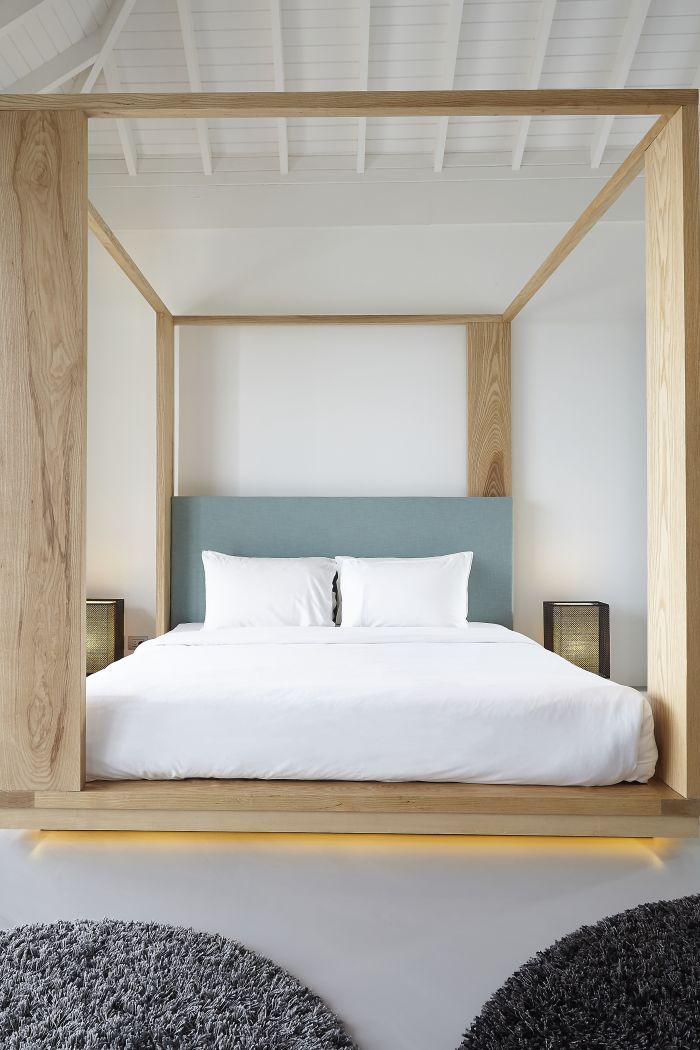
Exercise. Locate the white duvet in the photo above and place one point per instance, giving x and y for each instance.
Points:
(474, 704)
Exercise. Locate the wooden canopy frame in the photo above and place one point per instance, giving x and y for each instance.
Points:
(45, 214)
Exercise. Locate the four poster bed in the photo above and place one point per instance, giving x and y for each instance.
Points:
(45, 216)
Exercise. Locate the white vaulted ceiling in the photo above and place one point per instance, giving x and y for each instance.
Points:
(304, 45)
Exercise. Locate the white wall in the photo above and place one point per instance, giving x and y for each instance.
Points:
(299, 411)
(355, 411)
(121, 472)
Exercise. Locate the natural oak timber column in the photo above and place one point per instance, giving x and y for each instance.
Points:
(488, 409)
(673, 451)
(165, 436)
(43, 276)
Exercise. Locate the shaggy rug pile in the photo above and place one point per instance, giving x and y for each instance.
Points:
(142, 986)
(631, 982)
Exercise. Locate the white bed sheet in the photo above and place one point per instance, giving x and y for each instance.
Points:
(473, 704)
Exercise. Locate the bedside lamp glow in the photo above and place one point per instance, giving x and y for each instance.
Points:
(104, 636)
(580, 632)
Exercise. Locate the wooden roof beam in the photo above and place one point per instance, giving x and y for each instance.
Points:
(332, 104)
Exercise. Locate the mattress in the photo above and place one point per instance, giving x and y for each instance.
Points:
(473, 704)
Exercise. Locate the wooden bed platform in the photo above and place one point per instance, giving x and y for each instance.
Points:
(631, 810)
(44, 221)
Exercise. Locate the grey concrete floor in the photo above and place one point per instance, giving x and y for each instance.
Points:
(405, 938)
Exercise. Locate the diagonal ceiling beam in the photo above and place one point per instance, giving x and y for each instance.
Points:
(14, 12)
(629, 42)
(363, 85)
(59, 70)
(278, 64)
(124, 130)
(454, 28)
(110, 32)
(192, 60)
(533, 78)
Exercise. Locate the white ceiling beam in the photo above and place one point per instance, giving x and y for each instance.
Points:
(59, 70)
(278, 65)
(192, 60)
(14, 12)
(363, 85)
(539, 51)
(629, 42)
(454, 29)
(110, 32)
(126, 136)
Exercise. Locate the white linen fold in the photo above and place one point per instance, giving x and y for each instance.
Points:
(474, 704)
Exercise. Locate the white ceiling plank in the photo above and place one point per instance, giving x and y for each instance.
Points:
(110, 32)
(539, 51)
(365, 25)
(629, 42)
(126, 136)
(13, 13)
(59, 70)
(192, 62)
(454, 29)
(278, 64)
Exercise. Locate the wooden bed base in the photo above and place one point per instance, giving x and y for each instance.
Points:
(44, 221)
(638, 810)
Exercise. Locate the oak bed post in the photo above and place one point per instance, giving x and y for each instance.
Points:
(488, 409)
(43, 304)
(165, 435)
(673, 406)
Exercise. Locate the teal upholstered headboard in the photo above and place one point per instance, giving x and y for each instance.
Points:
(293, 527)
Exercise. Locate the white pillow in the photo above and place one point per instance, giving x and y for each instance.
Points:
(404, 592)
(268, 592)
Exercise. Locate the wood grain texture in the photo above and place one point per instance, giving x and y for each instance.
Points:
(123, 260)
(586, 102)
(488, 409)
(652, 799)
(618, 182)
(43, 273)
(673, 450)
(165, 437)
(330, 319)
(350, 823)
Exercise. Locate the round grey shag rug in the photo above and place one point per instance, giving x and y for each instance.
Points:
(143, 986)
(630, 982)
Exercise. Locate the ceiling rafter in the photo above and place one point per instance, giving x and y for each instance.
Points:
(110, 32)
(14, 13)
(192, 61)
(454, 29)
(278, 65)
(60, 69)
(363, 85)
(629, 42)
(124, 130)
(533, 78)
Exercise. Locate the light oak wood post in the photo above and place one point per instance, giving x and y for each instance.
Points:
(673, 406)
(488, 409)
(165, 435)
(43, 275)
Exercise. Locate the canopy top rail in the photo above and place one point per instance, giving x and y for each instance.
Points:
(587, 102)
